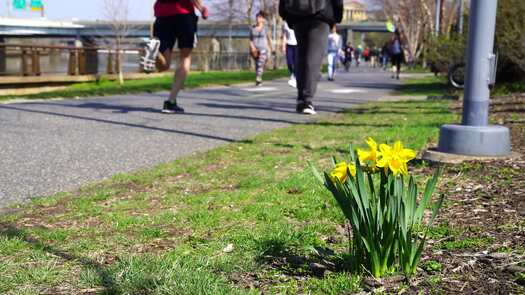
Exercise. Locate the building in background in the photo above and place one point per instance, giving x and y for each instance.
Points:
(354, 11)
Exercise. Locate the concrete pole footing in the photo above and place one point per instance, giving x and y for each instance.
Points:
(488, 141)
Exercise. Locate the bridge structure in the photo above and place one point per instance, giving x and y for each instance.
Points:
(23, 28)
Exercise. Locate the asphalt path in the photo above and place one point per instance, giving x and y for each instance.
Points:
(54, 146)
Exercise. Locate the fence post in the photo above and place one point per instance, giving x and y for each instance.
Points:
(206, 65)
(82, 61)
(35, 62)
(118, 60)
(24, 64)
(3, 57)
(73, 62)
(142, 52)
(90, 56)
(109, 66)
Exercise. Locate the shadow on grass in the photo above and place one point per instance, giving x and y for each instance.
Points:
(323, 149)
(279, 256)
(106, 278)
(429, 88)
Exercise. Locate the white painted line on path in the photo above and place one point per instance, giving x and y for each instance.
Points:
(259, 89)
(348, 91)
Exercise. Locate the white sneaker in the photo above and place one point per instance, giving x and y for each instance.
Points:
(151, 52)
(308, 109)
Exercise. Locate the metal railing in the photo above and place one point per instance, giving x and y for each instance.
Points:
(40, 60)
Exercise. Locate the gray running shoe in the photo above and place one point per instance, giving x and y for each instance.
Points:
(151, 52)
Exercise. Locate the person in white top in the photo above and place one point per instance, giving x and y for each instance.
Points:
(335, 43)
(290, 49)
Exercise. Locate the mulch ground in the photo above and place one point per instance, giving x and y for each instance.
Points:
(480, 238)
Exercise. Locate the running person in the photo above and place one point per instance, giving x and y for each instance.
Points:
(259, 45)
(176, 22)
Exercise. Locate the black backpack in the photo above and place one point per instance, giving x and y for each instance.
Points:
(302, 7)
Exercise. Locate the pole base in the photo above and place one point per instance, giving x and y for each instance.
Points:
(483, 141)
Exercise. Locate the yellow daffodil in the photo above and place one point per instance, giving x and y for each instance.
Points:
(341, 171)
(395, 158)
(370, 155)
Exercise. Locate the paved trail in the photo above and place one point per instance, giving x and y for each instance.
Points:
(53, 146)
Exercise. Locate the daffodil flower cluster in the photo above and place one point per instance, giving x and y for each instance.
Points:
(386, 211)
(390, 158)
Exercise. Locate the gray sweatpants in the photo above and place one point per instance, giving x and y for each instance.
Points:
(312, 39)
(259, 64)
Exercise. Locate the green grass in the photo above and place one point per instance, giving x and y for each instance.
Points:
(163, 230)
(474, 243)
(506, 88)
(432, 266)
(106, 87)
(427, 86)
(417, 69)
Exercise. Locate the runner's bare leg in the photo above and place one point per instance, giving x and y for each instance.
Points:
(183, 68)
(163, 61)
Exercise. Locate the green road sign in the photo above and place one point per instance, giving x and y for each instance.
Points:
(37, 5)
(19, 4)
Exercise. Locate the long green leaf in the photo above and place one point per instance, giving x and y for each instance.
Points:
(429, 190)
(316, 173)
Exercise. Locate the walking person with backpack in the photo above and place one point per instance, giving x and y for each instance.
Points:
(176, 22)
(335, 44)
(396, 50)
(259, 45)
(311, 21)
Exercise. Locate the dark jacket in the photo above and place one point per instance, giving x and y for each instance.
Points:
(332, 14)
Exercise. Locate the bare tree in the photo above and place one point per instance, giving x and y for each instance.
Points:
(117, 12)
(416, 20)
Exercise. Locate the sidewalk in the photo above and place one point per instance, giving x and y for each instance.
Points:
(54, 146)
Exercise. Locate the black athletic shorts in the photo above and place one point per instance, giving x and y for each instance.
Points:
(180, 28)
(397, 60)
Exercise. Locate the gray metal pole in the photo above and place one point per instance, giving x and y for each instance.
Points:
(438, 17)
(480, 54)
(475, 137)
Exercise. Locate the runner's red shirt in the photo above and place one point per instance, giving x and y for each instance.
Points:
(173, 8)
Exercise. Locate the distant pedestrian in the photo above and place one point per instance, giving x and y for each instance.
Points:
(349, 52)
(366, 55)
(374, 53)
(311, 24)
(290, 49)
(396, 50)
(335, 44)
(385, 56)
(175, 22)
(259, 45)
(357, 55)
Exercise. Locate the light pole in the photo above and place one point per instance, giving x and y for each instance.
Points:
(475, 137)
